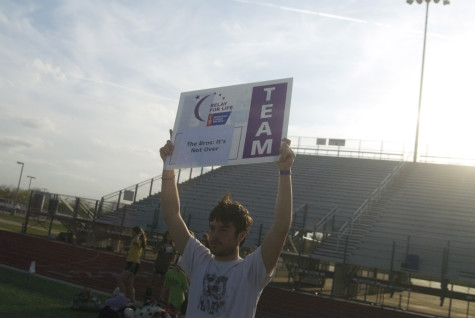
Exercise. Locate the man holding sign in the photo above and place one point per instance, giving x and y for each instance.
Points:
(221, 283)
(237, 124)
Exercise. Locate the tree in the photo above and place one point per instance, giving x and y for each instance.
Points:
(9, 192)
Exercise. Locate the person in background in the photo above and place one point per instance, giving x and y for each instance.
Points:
(125, 280)
(166, 255)
(176, 284)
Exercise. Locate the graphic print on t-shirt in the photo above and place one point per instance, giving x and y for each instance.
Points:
(213, 297)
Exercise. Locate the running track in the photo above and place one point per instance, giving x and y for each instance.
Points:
(98, 270)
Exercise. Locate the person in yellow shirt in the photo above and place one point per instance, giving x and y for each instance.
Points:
(125, 280)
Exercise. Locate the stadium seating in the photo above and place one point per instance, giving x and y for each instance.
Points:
(429, 209)
(426, 210)
(319, 182)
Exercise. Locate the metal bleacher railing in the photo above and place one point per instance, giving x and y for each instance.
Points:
(144, 189)
(365, 207)
(354, 148)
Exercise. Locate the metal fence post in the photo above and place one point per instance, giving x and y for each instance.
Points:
(151, 185)
(76, 208)
(118, 200)
(136, 190)
(27, 214)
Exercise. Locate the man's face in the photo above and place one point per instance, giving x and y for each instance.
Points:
(223, 240)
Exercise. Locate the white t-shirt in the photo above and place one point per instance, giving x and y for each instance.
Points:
(222, 289)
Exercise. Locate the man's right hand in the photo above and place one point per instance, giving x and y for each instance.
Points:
(287, 156)
(167, 150)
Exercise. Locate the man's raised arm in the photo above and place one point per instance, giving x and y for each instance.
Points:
(275, 238)
(170, 202)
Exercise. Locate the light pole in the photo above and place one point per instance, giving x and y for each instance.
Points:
(29, 185)
(446, 2)
(18, 188)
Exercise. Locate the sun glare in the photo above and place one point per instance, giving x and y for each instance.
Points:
(448, 132)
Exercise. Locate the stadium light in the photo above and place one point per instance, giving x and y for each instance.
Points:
(446, 2)
(29, 185)
(18, 188)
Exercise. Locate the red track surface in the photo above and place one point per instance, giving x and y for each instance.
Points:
(98, 270)
(67, 262)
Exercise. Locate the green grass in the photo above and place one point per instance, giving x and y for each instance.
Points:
(13, 218)
(34, 227)
(10, 227)
(17, 228)
(25, 295)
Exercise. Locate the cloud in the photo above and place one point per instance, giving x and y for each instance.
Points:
(39, 123)
(3, 18)
(15, 143)
(42, 123)
(116, 85)
(36, 123)
(47, 69)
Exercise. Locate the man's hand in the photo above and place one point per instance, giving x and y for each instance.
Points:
(167, 150)
(287, 156)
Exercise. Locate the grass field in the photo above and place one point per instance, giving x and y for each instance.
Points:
(14, 223)
(26, 295)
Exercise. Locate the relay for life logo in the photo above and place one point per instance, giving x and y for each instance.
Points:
(217, 108)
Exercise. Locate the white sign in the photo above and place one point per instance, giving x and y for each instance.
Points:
(231, 125)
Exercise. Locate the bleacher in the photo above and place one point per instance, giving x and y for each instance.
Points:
(429, 209)
(321, 183)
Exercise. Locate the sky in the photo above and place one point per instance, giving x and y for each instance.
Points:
(89, 89)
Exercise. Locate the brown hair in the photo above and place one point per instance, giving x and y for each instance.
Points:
(143, 237)
(229, 211)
